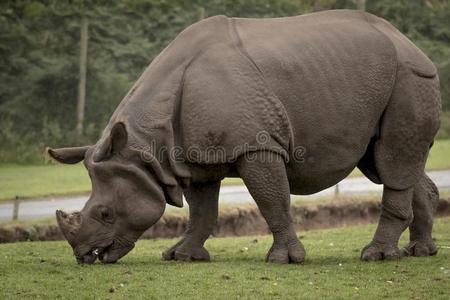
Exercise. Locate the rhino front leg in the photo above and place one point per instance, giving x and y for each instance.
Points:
(264, 174)
(203, 209)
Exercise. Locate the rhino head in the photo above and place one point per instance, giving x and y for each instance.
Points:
(127, 198)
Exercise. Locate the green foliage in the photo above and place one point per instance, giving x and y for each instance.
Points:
(39, 55)
(332, 270)
(427, 23)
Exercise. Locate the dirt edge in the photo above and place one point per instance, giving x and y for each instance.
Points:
(237, 221)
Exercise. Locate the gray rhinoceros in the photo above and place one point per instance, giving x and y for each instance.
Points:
(290, 105)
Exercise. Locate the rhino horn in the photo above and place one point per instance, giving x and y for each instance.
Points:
(69, 224)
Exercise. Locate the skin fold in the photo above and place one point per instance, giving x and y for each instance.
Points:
(290, 105)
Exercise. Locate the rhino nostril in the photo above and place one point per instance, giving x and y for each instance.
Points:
(89, 259)
(106, 259)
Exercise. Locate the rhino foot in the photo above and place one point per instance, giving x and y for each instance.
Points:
(292, 253)
(375, 251)
(420, 248)
(182, 251)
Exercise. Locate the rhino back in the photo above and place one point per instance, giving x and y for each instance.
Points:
(334, 73)
(408, 54)
(153, 98)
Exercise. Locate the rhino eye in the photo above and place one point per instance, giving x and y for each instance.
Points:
(106, 213)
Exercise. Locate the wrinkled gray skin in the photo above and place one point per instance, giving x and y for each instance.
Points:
(293, 104)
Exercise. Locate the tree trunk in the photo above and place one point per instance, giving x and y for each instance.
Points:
(317, 6)
(361, 5)
(82, 80)
(201, 13)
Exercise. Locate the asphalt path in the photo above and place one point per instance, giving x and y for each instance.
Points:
(41, 208)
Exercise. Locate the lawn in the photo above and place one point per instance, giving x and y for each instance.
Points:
(439, 155)
(53, 179)
(332, 271)
(42, 180)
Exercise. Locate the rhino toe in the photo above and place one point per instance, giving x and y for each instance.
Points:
(293, 253)
(420, 248)
(181, 251)
(374, 252)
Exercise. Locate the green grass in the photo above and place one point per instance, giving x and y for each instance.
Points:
(32, 181)
(439, 158)
(53, 179)
(332, 270)
(42, 180)
(439, 155)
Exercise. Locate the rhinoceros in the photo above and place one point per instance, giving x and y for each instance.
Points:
(290, 105)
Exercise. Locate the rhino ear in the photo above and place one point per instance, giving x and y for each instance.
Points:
(119, 137)
(116, 141)
(71, 155)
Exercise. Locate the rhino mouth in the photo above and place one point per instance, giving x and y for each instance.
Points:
(91, 256)
(110, 253)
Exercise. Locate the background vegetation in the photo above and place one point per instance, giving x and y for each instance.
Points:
(39, 56)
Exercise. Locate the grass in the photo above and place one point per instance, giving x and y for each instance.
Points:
(332, 271)
(439, 158)
(34, 181)
(439, 155)
(42, 180)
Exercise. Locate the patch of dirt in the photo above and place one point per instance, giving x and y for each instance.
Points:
(236, 221)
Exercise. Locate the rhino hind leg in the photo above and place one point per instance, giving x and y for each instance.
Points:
(264, 174)
(396, 215)
(203, 210)
(425, 201)
(408, 127)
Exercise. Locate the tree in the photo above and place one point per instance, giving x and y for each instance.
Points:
(82, 80)
(360, 4)
(40, 55)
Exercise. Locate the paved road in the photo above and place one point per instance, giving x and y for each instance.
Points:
(41, 208)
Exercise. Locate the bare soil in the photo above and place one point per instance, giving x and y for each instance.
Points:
(237, 221)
